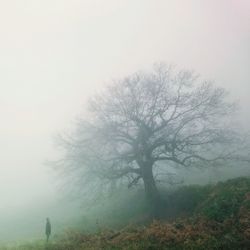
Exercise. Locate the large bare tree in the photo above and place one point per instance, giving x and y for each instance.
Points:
(147, 120)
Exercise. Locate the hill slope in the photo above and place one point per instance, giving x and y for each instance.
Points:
(206, 217)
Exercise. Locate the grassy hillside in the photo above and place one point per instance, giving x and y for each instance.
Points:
(196, 217)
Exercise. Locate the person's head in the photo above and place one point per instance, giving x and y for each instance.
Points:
(47, 219)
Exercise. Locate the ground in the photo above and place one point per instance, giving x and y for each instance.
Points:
(206, 217)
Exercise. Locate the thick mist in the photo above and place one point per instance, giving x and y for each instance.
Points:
(54, 55)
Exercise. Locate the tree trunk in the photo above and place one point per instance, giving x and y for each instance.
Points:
(151, 191)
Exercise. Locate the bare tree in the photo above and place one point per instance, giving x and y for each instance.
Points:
(164, 117)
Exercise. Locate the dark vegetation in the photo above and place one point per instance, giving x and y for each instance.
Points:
(196, 217)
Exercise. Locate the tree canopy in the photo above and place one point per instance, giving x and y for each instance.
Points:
(150, 120)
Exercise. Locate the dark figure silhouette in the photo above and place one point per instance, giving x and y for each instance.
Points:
(48, 229)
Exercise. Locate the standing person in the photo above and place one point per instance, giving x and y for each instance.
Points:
(48, 229)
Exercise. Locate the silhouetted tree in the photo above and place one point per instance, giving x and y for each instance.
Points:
(165, 117)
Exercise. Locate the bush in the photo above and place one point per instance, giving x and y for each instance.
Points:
(225, 199)
(184, 201)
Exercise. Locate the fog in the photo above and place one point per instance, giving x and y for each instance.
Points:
(55, 54)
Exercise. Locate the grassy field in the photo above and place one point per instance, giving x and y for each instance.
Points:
(197, 217)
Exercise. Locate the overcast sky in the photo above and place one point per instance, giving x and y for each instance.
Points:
(54, 54)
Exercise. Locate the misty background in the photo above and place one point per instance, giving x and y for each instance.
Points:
(55, 54)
